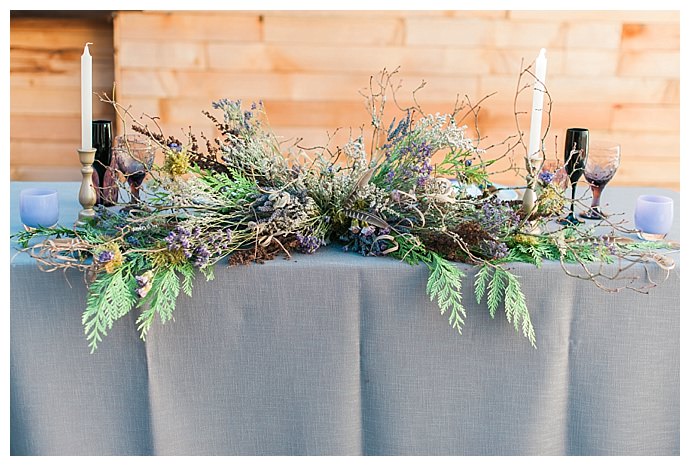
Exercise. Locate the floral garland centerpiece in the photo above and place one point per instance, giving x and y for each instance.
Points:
(243, 197)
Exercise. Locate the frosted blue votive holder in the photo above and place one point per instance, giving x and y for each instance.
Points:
(653, 216)
(39, 207)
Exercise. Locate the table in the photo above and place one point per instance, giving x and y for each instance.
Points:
(337, 354)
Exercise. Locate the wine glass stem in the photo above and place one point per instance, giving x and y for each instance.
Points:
(134, 188)
(572, 200)
(596, 196)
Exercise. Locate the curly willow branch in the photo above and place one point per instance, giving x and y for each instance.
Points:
(63, 254)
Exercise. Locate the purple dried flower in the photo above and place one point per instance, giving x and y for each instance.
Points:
(495, 217)
(610, 246)
(401, 129)
(308, 244)
(133, 241)
(546, 176)
(366, 241)
(141, 280)
(219, 104)
(367, 230)
(495, 249)
(201, 256)
(105, 256)
(178, 240)
(144, 283)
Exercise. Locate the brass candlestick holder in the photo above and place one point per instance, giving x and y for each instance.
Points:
(87, 192)
(529, 197)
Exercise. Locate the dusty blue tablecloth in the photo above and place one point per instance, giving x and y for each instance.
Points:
(336, 354)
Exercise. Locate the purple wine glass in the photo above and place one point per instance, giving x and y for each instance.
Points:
(602, 163)
(134, 154)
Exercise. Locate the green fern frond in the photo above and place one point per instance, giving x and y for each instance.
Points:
(209, 273)
(551, 252)
(480, 280)
(160, 299)
(187, 271)
(516, 308)
(496, 291)
(516, 254)
(530, 253)
(445, 285)
(145, 321)
(166, 286)
(111, 296)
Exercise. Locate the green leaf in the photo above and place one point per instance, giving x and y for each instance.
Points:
(161, 298)
(145, 321)
(516, 308)
(167, 287)
(111, 296)
(209, 273)
(496, 291)
(445, 284)
(187, 271)
(480, 281)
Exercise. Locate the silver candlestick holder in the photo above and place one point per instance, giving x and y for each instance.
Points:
(87, 192)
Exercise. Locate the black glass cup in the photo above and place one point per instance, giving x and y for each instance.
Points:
(575, 158)
(102, 141)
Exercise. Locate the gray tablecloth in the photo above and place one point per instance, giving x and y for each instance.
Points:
(336, 354)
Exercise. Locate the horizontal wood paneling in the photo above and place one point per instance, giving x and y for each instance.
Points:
(181, 26)
(333, 30)
(650, 36)
(615, 72)
(45, 83)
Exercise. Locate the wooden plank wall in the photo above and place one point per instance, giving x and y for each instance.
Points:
(614, 72)
(45, 82)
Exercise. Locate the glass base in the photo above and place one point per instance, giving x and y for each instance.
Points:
(570, 220)
(593, 214)
(651, 236)
(30, 229)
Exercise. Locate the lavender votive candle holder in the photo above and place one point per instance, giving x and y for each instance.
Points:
(653, 217)
(39, 207)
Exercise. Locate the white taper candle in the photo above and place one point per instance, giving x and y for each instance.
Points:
(86, 98)
(537, 107)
